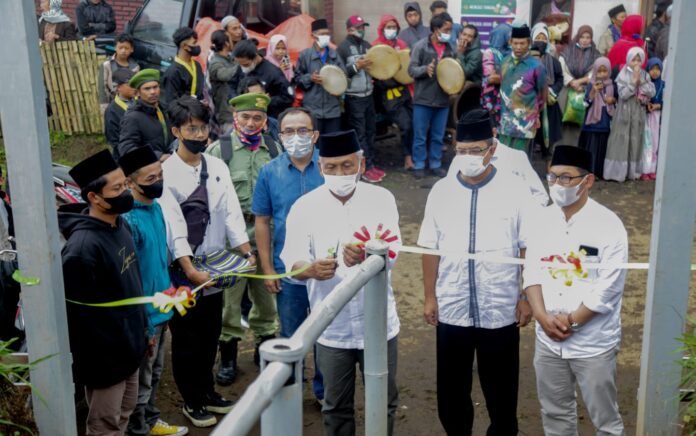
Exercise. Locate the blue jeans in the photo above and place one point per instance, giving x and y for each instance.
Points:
(293, 307)
(435, 119)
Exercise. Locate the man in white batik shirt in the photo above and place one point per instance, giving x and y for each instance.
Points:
(476, 304)
(323, 229)
(578, 316)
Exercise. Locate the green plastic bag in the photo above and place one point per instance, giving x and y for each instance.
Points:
(575, 108)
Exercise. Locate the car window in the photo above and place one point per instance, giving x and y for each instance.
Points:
(158, 21)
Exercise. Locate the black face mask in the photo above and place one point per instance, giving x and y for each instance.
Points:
(540, 46)
(195, 50)
(195, 146)
(153, 191)
(120, 204)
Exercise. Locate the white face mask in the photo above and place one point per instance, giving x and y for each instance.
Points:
(390, 34)
(342, 185)
(249, 69)
(563, 196)
(323, 40)
(469, 165)
(298, 146)
(443, 37)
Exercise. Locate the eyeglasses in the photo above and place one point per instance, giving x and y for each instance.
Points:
(195, 130)
(564, 179)
(302, 131)
(478, 151)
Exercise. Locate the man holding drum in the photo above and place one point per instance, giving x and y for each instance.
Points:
(325, 107)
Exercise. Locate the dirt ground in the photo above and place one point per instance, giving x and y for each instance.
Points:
(417, 414)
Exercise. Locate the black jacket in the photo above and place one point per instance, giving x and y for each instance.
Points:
(95, 19)
(100, 265)
(140, 126)
(177, 81)
(350, 50)
(112, 124)
(322, 104)
(427, 91)
(275, 82)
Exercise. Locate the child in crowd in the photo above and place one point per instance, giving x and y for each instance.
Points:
(600, 100)
(120, 60)
(652, 122)
(628, 128)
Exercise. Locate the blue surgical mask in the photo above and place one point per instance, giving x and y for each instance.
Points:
(443, 37)
(390, 34)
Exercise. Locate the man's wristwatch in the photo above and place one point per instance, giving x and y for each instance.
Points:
(574, 326)
(249, 254)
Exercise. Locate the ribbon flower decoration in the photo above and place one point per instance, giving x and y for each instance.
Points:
(571, 265)
(364, 235)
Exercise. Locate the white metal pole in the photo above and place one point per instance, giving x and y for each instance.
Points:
(376, 365)
(25, 130)
(283, 417)
(672, 235)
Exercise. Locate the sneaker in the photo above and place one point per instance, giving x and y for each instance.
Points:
(199, 417)
(419, 174)
(161, 428)
(438, 172)
(216, 403)
(372, 176)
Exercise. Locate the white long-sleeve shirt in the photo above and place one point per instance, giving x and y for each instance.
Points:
(594, 228)
(492, 218)
(226, 218)
(316, 224)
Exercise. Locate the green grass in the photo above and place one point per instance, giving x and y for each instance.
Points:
(688, 364)
(66, 150)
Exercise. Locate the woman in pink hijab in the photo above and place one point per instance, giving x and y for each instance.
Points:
(277, 54)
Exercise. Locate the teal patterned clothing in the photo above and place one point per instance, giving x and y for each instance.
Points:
(522, 95)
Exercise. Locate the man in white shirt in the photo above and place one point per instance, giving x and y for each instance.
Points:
(318, 225)
(578, 317)
(192, 180)
(476, 305)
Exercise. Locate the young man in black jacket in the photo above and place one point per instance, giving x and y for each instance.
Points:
(117, 108)
(94, 18)
(185, 75)
(144, 123)
(251, 64)
(99, 266)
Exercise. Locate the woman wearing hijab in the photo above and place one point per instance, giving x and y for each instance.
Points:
(631, 30)
(277, 54)
(577, 60)
(498, 48)
(550, 133)
(653, 120)
(54, 25)
(628, 128)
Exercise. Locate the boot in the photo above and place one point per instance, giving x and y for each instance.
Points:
(227, 371)
(257, 355)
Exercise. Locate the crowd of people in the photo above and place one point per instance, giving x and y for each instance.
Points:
(210, 169)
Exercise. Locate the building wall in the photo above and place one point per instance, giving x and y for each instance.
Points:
(123, 9)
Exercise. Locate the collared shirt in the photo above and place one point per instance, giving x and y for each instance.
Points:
(599, 229)
(516, 162)
(317, 222)
(278, 187)
(226, 219)
(492, 218)
(522, 95)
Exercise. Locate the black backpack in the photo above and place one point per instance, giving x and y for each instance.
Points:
(227, 152)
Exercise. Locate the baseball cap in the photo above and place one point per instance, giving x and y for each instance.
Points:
(355, 21)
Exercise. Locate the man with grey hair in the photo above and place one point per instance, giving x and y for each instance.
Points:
(327, 244)
(234, 29)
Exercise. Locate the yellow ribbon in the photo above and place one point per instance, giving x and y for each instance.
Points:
(394, 93)
(120, 103)
(191, 68)
(160, 117)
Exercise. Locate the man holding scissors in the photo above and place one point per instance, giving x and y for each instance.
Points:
(326, 229)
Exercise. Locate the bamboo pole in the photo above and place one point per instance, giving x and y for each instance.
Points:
(60, 109)
(73, 80)
(67, 87)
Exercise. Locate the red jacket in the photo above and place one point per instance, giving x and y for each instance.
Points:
(396, 42)
(630, 37)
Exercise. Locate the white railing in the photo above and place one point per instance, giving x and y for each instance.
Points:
(276, 394)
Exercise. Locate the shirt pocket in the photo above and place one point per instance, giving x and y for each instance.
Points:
(242, 185)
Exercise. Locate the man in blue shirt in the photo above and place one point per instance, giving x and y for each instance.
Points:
(144, 178)
(280, 183)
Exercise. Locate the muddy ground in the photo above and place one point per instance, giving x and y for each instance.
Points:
(417, 414)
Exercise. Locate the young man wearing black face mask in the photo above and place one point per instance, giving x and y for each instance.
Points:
(185, 75)
(100, 265)
(144, 177)
(191, 179)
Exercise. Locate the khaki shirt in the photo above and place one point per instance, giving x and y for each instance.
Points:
(606, 41)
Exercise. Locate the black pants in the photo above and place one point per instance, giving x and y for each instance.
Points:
(360, 112)
(194, 347)
(328, 125)
(498, 356)
(402, 116)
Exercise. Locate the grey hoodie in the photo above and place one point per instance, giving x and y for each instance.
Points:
(413, 34)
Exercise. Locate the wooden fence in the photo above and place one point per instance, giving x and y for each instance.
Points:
(71, 72)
